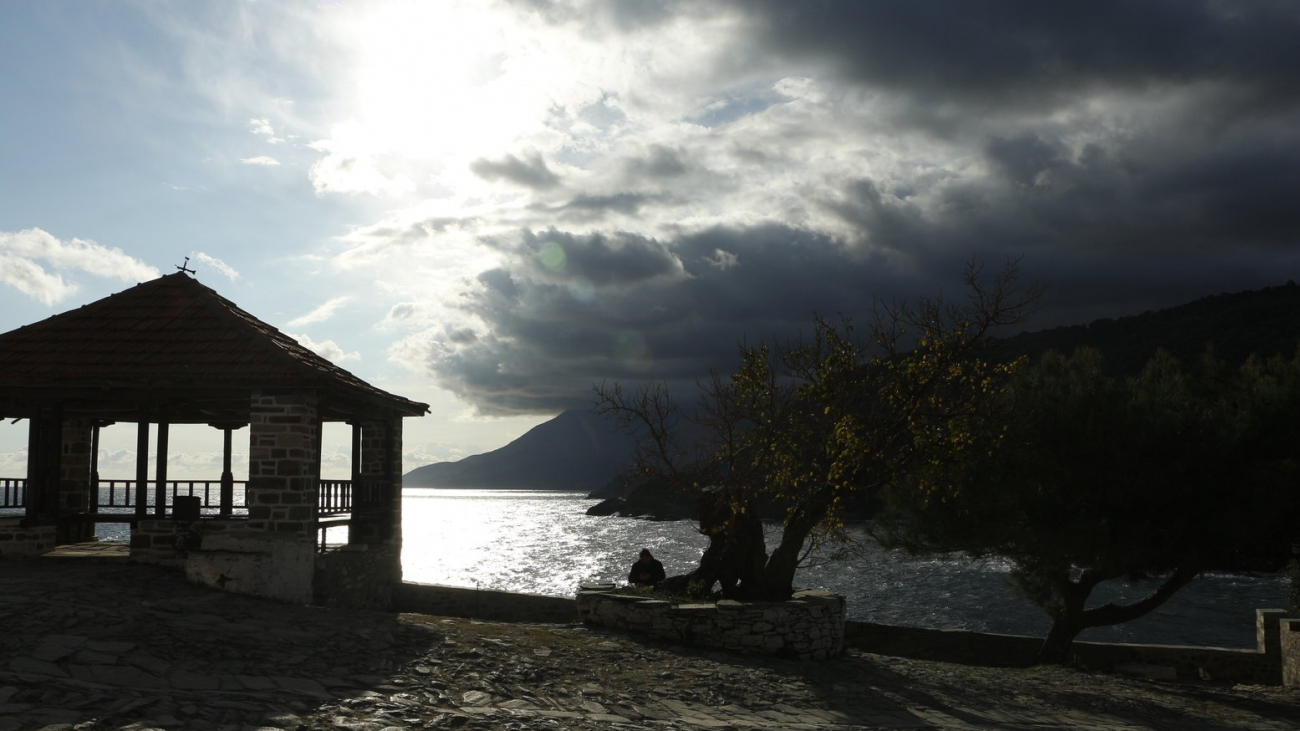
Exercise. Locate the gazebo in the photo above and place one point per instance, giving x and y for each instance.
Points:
(172, 351)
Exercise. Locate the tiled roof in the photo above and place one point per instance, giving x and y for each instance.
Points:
(171, 332)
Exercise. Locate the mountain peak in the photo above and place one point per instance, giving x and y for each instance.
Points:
(577, 450)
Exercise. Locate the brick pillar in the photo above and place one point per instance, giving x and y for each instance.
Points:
(283, 443)
(1289, 651)
(75, 481)
(1268, 641)
(368, 572)
(44, 453)
(377, 515)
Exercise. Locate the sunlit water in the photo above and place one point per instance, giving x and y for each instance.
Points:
(544, 543)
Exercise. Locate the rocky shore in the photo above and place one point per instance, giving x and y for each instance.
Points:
(97, 643)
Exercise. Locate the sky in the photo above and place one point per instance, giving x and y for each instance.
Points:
(492, 206)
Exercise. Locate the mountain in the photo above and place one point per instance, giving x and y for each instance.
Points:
(1262, 321)
(577, 450)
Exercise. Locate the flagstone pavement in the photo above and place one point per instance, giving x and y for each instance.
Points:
(89, 641)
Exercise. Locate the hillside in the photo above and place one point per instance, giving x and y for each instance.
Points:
(579, 450)
(576, 450)
(1263, 321)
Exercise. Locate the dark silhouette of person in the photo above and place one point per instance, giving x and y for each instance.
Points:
(646, 571)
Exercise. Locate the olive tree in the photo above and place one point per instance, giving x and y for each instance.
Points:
(1095, 478)
(806, 428)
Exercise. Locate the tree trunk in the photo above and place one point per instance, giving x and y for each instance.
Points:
(735, 555)
(1072, 618)
(778, 574)
(1071, 596)
(1055, 649)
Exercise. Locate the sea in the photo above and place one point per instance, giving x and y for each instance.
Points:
(543, 542)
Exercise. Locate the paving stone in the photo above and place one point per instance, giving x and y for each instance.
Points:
(186, 680)
(91, 657)
(130, 677)
(115, 648)
(476, 698)
(306, 686)
(703, 722)
(36, 667)
(148, 663)
(279, 666)
(256, 682)
(57, 647)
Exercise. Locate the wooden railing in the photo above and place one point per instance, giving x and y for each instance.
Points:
(334, 497)
(113, 496)
(345, 496)
(13, 493)
(120, 495)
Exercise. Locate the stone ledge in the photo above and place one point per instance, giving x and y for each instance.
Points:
(810, 626)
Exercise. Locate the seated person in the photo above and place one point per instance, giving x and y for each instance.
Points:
(647, 571)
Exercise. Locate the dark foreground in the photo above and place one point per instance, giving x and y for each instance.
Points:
(95, 643)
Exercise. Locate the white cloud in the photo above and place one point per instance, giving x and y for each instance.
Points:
(217, 264)
(21, 267)
(354, 165)
(263, 128)
(260, 160)
(320, 314)
(723, 260)
(327, 349)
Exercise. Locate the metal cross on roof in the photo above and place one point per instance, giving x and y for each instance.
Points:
(184, 267)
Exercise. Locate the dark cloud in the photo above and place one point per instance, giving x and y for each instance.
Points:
(659, 163)
(529, 172)
(1029, 54)
(587, 208)
(631, 308)
(1137, 155)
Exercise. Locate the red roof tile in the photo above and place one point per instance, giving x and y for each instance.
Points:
(172, 332)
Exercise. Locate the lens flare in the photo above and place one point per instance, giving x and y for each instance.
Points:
(631, 349)
(582, 290)
(552, 256)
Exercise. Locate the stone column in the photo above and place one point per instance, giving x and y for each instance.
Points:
(141, 468)
(75, 496)
(367, 573)
(44, 454)
(227, 476)
(160, 471)
(272, 554)
(284, 440)
(377, 499)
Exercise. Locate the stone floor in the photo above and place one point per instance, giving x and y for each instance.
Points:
(92, 642)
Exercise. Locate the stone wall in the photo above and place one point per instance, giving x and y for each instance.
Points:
(1268, 641)
(18, 540)
(158, 541)
(1262, 665)
(810, 626)
(1289, 643)
(381, 464)
(356, 576)
(283, 443)
(74, 481)
(486, 604)
(244, 561)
